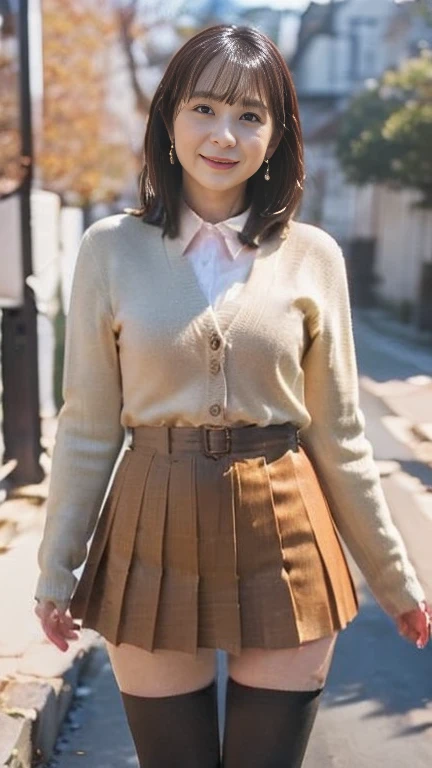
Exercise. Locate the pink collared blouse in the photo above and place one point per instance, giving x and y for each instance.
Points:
(221, 263)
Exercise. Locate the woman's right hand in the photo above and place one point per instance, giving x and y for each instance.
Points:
(57, 626)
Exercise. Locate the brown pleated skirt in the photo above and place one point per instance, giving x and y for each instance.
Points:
(229, 552)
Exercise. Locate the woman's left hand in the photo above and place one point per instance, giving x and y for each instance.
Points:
(415, 625)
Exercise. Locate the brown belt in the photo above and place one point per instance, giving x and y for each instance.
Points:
(215, 441)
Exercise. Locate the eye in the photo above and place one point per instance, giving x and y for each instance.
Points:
(201, 106)
(253, 115)
(205, 106)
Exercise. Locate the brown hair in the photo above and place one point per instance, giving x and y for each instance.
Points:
(249, 59)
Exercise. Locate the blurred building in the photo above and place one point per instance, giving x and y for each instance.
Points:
(341, 46)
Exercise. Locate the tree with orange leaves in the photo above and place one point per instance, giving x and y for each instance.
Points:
(10, 139)
(82, 152)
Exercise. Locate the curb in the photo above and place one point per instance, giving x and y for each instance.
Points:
(33, 708)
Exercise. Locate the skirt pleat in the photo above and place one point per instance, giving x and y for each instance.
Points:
(219, 607)
(302, 561)
(116, 556)
(178, 603)
(236, 553)
(265, 589)
(341, 596)
(81, 598)
(146, 567)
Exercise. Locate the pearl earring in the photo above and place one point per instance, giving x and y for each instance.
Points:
(267, 174)
(171, 157)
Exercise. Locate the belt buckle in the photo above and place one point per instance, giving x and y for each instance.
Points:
(206, 447)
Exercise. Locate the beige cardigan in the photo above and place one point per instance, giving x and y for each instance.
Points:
(140, 343)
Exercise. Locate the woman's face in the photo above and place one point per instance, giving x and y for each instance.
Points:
(205, 127)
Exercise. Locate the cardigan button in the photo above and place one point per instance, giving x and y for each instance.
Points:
(215, 341)
(215, 367)
(215, 409)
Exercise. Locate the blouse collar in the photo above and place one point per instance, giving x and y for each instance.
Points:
(191, 223)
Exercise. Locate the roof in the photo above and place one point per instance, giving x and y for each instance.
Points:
(317, 19)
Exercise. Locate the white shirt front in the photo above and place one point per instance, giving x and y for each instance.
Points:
(221, 263)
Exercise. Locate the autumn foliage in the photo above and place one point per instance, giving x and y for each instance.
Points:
(10, 141)
(81, 152)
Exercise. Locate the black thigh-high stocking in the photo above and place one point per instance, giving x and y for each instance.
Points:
(266, 728)
(179, 731)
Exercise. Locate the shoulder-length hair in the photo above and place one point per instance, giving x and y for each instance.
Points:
(249, 61)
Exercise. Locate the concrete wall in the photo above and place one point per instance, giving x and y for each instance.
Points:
(403, 234)
(404, 242)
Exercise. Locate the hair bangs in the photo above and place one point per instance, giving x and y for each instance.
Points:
(230, 81)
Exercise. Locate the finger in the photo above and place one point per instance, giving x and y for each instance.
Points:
(65, 629)
(70, 623)
(58, 641)
(58, 627)
(56, 620)
(421, 626)
(410, 634)
(418, 637)
(65, 621)
(70, 634)
(424, 635)
(62, 632)
(55, 629)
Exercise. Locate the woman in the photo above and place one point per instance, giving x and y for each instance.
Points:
(216, 329)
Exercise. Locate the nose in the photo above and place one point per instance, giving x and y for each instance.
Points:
(223, 133)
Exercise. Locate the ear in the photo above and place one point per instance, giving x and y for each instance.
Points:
(274, 143)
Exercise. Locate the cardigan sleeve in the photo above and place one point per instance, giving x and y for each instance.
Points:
(340, 453)
(89, 433)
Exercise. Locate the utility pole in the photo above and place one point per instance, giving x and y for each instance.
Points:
(21, 420)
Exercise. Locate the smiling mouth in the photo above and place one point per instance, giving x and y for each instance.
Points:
(219, 162)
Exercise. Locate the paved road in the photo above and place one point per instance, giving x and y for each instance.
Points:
(377, 706)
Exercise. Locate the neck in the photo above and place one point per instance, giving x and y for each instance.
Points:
(214, 209)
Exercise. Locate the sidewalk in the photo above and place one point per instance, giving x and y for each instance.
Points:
(410, 399)
(382, 321)
(38, 681)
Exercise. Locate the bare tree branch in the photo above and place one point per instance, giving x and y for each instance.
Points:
(126, 17)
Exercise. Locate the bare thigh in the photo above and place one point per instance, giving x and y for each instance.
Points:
(304, 668)
(161, 673)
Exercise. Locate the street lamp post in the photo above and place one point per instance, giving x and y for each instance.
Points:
(21, 420)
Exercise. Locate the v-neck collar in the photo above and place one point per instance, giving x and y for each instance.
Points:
(232, 312)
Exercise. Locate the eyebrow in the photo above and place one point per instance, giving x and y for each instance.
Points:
(246, 103)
